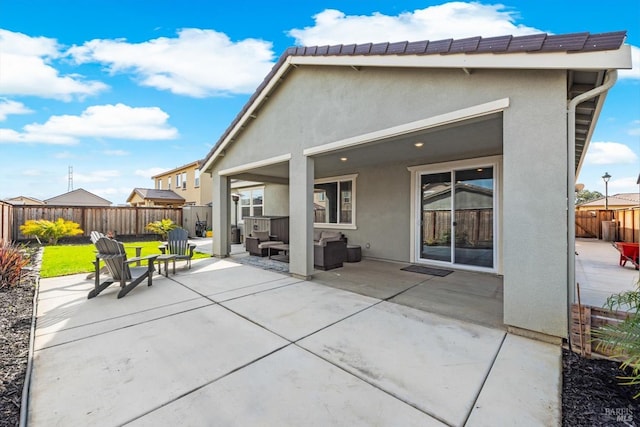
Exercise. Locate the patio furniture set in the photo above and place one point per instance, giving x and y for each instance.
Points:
(330, 248)
(113, 254)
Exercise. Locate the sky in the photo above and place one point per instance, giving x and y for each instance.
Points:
(120, 91)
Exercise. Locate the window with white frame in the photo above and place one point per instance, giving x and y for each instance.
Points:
(158, 184)
(334, 200)
(251, 202)
(169, 183)
(196, 181)
(184, 180)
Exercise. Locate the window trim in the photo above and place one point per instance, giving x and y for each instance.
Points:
(239, 190)
(337, 179)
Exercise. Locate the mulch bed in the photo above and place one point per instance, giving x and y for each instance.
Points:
(16, 305)
(591, 395)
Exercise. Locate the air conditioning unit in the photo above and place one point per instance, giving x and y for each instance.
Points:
(184, 185)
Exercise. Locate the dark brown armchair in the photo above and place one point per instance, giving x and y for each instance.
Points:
(329, 255)
(259, 241)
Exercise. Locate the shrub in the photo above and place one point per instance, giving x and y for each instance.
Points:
(12, 260)
(624, 338)
(50, 231)
(162, 227)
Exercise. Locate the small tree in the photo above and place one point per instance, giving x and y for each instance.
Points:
(585, 195)
(162, 227)
(49, 231)
(624, 338)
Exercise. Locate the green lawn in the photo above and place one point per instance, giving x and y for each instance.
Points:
(62, 260)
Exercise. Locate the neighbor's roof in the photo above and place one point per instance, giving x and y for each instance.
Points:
(156, 195)
(507, 51)
(621, 199)
(79, 197)
(24, 200)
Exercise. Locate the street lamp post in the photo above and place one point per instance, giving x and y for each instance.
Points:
(236, 236)
(606, 178)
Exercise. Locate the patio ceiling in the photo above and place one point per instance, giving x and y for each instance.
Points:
(478, 137)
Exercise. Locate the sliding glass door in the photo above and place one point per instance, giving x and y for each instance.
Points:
(457, 217)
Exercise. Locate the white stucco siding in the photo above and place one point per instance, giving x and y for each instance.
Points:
(382, 213)
(320, 105)
(534, 207)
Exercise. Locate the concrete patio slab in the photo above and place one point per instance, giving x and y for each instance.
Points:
(218, 277)
(598, 272)
(435, 364)
(288, 388)
(70, 315)
(476, 302)
(377, 279)
(300, 309)
(117, 376)
(523, 387)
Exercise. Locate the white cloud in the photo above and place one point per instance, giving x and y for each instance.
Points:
(148, 173)
(623, 185)
(454, 19)
(197, 63)
(95, 176)
(609, 153)
(26, 69)
(64, 155)
(115, 153)
(633, 73)
(8, 107)
(99, 121)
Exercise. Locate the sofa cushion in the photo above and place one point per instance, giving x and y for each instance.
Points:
(261, 235)
(265, 245)
(329, 235)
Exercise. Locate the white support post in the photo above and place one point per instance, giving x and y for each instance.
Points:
(301, 180)
(220, 214)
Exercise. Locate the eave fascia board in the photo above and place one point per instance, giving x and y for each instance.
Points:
(607, 59)
(249, 114)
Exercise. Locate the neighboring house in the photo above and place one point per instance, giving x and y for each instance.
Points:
(187, 182)
(371, 125)
(616, 201)
(79, 197)
(24, 200)
(150, 197)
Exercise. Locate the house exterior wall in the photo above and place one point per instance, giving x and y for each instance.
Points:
(316, 106)
(192, 194)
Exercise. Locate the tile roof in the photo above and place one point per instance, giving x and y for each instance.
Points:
(621, 199)
(153, 194)
(534, 43)
(508, 44)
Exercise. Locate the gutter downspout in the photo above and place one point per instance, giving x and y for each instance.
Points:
(610, 80)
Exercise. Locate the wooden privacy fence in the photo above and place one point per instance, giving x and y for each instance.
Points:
(474, 227)
(124, 221)
(6, 211)
(586, 318)
(589, 223)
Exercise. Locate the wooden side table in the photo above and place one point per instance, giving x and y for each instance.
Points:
(166, 258)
